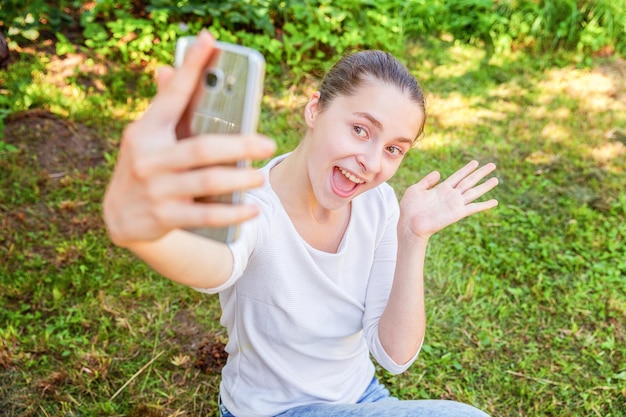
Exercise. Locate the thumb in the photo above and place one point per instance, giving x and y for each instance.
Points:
(177, 90)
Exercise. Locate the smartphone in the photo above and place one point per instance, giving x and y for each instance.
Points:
(227, 100)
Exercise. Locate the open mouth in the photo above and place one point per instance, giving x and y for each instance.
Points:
(344, 182)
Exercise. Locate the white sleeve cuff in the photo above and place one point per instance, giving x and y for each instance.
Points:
(389, 364)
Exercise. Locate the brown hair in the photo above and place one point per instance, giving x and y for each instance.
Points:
(353, 70)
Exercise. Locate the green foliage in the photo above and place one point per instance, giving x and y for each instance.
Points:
(586, 26)
(300, 38)
(6, 148)
(296, 37)
(540, 26)
(28, 19)
(4, 112)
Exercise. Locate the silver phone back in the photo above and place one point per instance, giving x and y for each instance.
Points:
(229, 102)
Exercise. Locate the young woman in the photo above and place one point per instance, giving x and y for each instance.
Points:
(331, 270)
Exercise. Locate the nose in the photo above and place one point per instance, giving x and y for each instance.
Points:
(370, 160)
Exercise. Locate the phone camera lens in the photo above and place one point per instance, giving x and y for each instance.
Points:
(211, 79)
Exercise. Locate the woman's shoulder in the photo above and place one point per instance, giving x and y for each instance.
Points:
(386, 191)
(265, 196)
(378, 203)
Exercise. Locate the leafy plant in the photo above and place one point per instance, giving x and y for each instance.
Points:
(28, 20)
(6, 147)
(300, 38)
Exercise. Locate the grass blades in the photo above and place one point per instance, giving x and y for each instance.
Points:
(526, 304)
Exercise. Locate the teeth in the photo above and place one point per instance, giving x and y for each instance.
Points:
(351, 177)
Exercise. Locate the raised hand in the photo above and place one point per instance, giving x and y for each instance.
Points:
(157, 177)
(429, 206)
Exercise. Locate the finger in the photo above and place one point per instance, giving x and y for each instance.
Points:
(183, 215)
(454, 179)
(428, 181)
(475, 177)
(478, 191)
(207, 150)
(170, 103)
(205, 182)
(481, 206)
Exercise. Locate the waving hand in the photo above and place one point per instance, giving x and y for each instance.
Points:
(429, 206)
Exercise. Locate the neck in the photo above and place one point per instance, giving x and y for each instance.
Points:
(320, 227)
(290, 181)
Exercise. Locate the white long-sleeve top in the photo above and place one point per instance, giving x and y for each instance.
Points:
(302, 322)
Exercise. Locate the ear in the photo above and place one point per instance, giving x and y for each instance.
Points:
(311, 109)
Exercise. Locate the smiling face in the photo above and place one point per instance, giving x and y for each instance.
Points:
(357, 141)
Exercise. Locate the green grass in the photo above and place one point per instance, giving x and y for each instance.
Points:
(526, 304)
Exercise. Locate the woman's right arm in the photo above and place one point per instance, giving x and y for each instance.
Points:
(150, 197)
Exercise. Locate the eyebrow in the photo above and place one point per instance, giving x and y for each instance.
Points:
(379, 125)
(371, 118)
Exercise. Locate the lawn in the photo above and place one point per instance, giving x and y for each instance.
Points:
(526, 304)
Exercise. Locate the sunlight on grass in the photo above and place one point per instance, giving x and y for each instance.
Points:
(610, 155)
(541, 157)
(436, 140)
(462, 60)
(555, 132)
(595, 90)
(291, 100)
(457, 110)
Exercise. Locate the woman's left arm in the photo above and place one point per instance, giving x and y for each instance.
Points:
(426, 207)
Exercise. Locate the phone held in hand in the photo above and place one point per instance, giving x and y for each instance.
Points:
(228, 100)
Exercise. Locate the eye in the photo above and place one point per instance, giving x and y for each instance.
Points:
(360, 131)
(395, 150)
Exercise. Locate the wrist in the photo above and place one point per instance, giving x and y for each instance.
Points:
(411, 242)
(408, 237)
